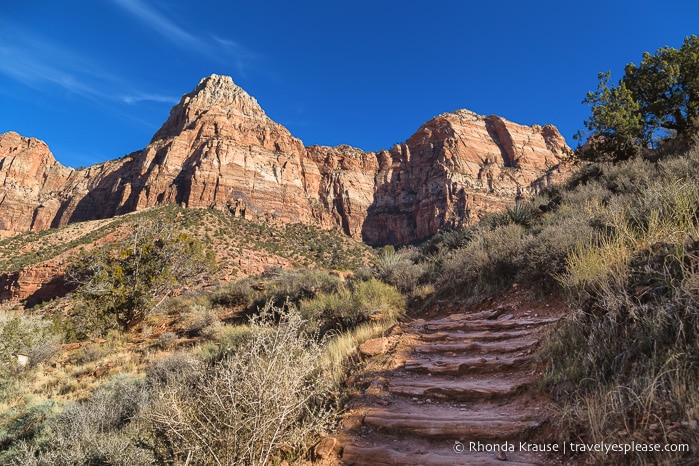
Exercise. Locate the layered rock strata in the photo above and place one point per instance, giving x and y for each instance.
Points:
(219, 149)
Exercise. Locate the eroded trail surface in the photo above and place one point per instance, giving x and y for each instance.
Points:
(449, 382)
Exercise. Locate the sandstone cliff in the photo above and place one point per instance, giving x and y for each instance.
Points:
(219, 149)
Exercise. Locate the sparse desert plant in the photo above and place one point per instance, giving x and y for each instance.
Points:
(98, 430)
(266, 395)
(167, 340)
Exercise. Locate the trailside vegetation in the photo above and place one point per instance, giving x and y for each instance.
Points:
(654, 102)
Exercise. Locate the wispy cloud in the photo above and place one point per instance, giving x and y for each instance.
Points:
(43, 65)
(215, 48)
(135, 98)
(35, 63)
(162, 25)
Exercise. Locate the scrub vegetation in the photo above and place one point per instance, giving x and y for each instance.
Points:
(153, 358)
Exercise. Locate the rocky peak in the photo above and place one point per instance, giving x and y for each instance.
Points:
(216, 95)
(27, 161)
(219, 149)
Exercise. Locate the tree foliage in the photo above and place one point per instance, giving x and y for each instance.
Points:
(120, 284)
(655, 101)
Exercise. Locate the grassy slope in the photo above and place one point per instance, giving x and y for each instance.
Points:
(237, 242)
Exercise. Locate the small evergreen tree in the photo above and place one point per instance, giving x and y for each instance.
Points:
(655, 101)
(120, 284)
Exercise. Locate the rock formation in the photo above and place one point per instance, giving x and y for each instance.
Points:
(219, 149)
(30, 178)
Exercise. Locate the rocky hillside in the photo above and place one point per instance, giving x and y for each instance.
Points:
(219, 149)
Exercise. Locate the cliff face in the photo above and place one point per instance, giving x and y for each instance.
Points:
(219, 149)
(456, 167)
(30, 182)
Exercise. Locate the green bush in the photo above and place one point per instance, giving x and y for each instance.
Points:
(121, 284)
(347, 307)
(488, 263)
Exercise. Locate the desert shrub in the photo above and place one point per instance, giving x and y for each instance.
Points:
(90, 353)
(398, 268)
(454, 239)
(237, 293)
(267, 395)
(523, 213)
(294, 285)
(487, 264)
(544, 254)
(44, 349)
(26, 334)
(177, 369)
(181, 305)
(97, 431)
(167, 340)
(630, 177)
(199, 318)
(363, 274)
(224, 340)
(29, 426)
(347, 307)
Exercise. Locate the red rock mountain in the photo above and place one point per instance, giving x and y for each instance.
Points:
(219, 149)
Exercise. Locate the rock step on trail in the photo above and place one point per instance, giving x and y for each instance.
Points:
(449, 383)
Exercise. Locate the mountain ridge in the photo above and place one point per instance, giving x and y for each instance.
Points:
(219, 149)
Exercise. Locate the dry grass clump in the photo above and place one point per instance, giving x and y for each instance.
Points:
(339, 355)
(400, 268)
(631, 350)
(352, 305)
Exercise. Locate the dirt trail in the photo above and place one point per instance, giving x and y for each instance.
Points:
(452, 377)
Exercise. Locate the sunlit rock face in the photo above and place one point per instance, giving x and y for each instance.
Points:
(219, 149)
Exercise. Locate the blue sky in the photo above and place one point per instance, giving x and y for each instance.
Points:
(96, 78)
